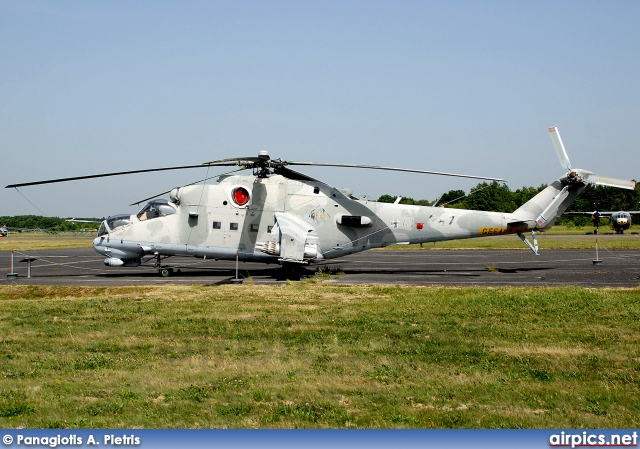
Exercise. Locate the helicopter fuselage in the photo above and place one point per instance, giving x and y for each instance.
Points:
(279, 215)
(279, 220)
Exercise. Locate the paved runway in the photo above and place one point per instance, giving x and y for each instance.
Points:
(408, 267)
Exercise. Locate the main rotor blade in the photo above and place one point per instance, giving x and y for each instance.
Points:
(190, 184)
(292, 174)
(73, 220)
(563, 157)
(408, 170)
(102, 175)
(237, 160)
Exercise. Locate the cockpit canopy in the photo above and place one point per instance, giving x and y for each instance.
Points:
(114, 222)
(153, 209)
(156, 208)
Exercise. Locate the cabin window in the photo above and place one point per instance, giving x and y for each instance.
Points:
(269, 228)
(233, 226)
(217, 225)
(254, 227)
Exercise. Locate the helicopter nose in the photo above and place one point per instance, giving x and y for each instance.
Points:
(97, 245)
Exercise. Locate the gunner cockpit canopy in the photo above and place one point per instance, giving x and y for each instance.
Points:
(114, 222)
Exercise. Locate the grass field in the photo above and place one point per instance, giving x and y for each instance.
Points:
(544, 241)
(309, 355)
(44, 242)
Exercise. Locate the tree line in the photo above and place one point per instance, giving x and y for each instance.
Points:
(498, 197)
(51, 224)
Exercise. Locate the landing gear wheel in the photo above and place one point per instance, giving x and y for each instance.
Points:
(166, 272)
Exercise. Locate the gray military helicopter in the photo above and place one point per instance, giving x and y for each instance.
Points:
(279, 215)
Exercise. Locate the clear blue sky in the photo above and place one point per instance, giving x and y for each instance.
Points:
(457, 86)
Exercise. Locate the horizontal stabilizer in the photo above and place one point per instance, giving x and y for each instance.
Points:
(518, 226)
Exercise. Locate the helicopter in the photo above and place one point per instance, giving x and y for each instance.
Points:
(279, 215)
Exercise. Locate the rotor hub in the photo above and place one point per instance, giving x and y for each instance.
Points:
(573, 178)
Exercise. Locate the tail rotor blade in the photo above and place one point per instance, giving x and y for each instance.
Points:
(559, 146)
(611, 182)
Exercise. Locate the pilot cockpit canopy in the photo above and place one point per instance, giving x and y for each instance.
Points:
(156, 208)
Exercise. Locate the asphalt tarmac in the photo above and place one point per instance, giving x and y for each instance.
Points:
(620, 268)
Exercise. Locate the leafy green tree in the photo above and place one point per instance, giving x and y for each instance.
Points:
(404, 200)
(490, 197)
(387, 199)
(606, 199)
(451, 197)
(407, 200)
(524, 194)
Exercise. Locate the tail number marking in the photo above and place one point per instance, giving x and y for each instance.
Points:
(494, 231)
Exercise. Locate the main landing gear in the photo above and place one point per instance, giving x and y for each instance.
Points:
(165, 272)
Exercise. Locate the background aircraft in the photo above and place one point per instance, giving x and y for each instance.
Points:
(620, 221)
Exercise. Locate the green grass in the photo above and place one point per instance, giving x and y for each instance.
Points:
(513, 242)
(42, 242)
(308, 355)
(559, 237)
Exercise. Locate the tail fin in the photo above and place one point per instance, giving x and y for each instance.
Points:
(543, 210)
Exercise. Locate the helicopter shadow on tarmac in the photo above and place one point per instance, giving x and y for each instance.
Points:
(300, 273)
(274, 273)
